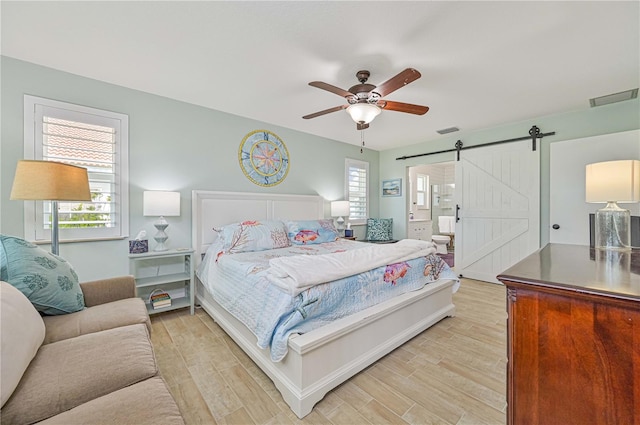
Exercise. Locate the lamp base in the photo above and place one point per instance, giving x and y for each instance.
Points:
(55, 247)
(161, 237)
(613, 228)
(340, 226)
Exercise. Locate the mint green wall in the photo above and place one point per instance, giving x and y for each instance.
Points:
(180, 146)
(172, 146)
(613, 118)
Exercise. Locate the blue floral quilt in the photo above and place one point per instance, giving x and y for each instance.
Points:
(238, 283)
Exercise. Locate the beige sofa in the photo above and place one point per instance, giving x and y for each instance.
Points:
(95, 366)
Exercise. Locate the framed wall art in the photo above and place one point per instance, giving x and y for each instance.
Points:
(392, 187)
(264, 158)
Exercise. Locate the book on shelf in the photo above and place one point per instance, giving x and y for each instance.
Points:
(159, 295)
(161, 304)
(160, 299)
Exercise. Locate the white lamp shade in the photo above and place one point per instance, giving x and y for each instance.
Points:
(363, 112)
(159, 203)
(613, 181)
(340, 209)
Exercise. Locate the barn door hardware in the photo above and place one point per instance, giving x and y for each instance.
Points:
(534, 135)
(458, 149)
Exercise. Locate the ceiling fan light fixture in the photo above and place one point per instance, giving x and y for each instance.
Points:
(363, 112)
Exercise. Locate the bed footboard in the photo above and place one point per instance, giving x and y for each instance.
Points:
(320, 360)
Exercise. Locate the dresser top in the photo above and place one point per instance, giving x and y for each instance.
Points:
(580, 267)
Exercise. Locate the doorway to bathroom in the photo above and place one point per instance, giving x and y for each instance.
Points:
(496, 209)
(431, 206)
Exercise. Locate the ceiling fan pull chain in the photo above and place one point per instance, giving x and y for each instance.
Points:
(362, 140)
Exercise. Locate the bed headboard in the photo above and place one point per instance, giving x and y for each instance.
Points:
(216, 209)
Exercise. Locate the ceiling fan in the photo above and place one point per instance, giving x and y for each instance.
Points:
(365, 100)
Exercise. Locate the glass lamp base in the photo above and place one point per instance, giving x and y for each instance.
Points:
(340, 226)
(161, 237)
(613, 228)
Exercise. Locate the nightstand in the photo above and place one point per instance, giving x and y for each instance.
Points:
(170, 271)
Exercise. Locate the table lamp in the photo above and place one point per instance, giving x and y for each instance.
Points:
(611, 182)
(340, 209)
(161, 204)
(50, 181)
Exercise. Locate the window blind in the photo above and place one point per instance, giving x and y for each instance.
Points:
(357, 189)
(95, 139)
(90, 146)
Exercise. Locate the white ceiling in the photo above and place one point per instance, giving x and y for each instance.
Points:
(483, 64)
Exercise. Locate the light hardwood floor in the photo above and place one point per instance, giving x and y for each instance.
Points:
(452, 373)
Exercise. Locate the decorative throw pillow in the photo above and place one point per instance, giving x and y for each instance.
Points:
(379, 229)
(254, 236)
(48, 281)
(309, 232)
(21, 335)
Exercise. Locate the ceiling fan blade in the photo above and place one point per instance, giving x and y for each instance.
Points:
(332, 89)
(326, 111)
(394, 83)
(402, 107)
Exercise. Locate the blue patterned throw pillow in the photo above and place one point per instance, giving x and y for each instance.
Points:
(379, 229)
(48, 281)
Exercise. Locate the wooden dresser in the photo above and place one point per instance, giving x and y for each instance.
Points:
(573, 337)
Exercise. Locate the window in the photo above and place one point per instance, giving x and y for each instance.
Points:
(357, 190)
(422, 192)
(94, 139)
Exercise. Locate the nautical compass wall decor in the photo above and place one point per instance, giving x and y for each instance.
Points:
(264, 158)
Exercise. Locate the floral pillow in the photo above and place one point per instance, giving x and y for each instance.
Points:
(48, 281)
(309, 232)
(249, 236)
(379, 229)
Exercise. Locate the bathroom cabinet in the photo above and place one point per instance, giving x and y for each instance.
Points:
(419, 229)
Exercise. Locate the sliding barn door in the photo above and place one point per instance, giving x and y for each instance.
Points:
(498, 192)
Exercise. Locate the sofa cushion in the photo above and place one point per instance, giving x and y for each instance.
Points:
(147, 402)
(47, 280)
(70, 372)
(21, 335)
(107, 290)
(97, 318)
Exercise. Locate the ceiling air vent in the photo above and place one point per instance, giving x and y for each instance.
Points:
(448, 130)
(613, 98)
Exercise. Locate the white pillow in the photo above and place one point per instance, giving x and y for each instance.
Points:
(21, 334)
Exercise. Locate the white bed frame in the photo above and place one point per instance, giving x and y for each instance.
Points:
(322, 359)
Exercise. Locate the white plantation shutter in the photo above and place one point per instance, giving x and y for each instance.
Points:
(357, 190)
(89, 138)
